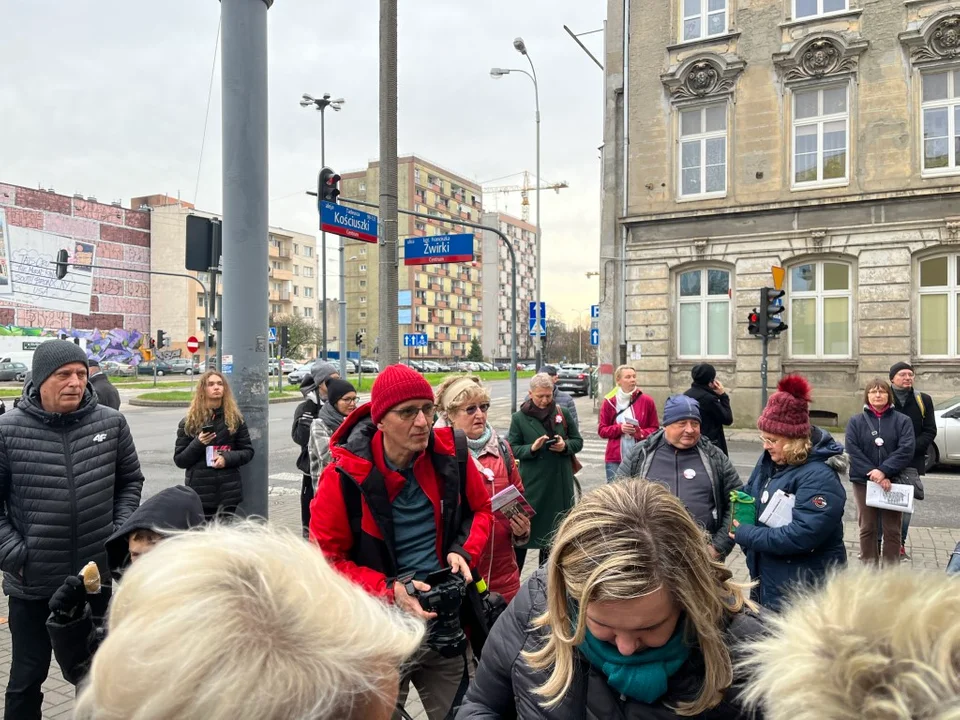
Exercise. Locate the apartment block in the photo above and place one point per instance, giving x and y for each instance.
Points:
(497, 325)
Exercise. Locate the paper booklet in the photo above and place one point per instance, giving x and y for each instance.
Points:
(780, 510)
(213, 451)
(898, 498)
(509, 501)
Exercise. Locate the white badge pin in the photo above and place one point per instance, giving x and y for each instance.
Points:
(764, 497)
(689, 473)
(879, 442)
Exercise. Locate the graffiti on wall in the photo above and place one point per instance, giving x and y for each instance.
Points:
(117, 345)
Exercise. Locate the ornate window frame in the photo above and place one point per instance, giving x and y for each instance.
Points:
(937, 40)
(703, 77)
(820, 56)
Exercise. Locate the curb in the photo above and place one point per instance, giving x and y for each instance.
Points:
(137, 402)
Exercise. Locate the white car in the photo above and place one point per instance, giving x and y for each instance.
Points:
(945, 449)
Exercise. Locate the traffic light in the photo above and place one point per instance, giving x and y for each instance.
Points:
(161, 339)
(284, 337)
(62, 260)
(753, 320)
(328, 185)
(771, 322)
(359, 337)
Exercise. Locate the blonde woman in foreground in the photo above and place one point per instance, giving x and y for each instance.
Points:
(246, 623)
(867, 646)
(631, 618)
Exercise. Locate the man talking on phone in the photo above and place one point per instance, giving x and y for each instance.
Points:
(401, 501)
(714, 403)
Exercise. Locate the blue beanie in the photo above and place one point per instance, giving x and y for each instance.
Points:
(680, 407)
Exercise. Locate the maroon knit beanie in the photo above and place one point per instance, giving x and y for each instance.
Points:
(395, 385)
(788, 410)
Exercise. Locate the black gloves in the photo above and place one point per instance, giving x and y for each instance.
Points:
(69, 598)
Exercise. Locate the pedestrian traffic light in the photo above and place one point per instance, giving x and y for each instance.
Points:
(770, 301)
(359, 337)
(62, 260)
(284, 337)
(328, 185)
(753, 322)
(161, 336)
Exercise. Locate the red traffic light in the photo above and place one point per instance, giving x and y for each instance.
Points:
(753, 317)
(332, 180)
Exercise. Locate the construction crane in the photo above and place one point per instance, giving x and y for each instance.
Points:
(524, 191)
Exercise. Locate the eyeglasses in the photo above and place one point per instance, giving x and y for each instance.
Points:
(472, 409)
(767, 441)
(349, 400)
(408, 414)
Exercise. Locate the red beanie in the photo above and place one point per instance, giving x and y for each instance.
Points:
(787, 413)
(395, 385)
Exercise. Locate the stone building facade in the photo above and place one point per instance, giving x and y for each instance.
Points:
(822, 136)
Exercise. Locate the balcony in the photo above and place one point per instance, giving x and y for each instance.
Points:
(281, 296)
(280, 274)
(280, 252)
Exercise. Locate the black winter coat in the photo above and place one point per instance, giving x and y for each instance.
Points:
(504, 683)
(860, 442)
(715, 412)
(67, 481)
(924, 426)
(106, 393)
(303, 418)
(217, 488)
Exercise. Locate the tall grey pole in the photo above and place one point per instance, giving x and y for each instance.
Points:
(245, 228)
(322, 266)
(539, 341)
(389, 352)
(342, 315)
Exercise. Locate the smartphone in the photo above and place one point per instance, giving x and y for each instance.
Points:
(551, 441)
(209, 428)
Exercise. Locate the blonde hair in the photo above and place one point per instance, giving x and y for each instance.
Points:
(622, 541)
(619, 371)
(244, 623)
(797, 450)
(198, 413)
(457, 390)
(880, 645)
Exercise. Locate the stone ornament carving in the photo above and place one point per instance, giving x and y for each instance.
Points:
(820, 57)
(942, 42)
(705, 77)
(952, 226)
(818, 238)
(700, 246)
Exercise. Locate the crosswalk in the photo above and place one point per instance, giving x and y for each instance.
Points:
(594, 449)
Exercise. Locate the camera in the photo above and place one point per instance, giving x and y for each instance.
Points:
(445, 596)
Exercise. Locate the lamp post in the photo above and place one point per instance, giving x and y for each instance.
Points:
(579, 334)
(322, 104)
(497, 73)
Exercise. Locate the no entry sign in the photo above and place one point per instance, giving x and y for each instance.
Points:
(193, 344)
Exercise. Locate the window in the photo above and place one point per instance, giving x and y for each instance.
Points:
(307, 271)
(703, 151)
(296, 269)
(363, 251)
(941, 122)
(308, 312)
(296, 290)
(308, 292)
(363, 314)
(820, 310)
(703, 18)
(307, 251)
(296, 310)
(363, 283)
(363, 268)
(362, 186)
(275, 309)
(201, 300)
(812, 8)
(275, 264)
(704, 313)
(416, 175)
(939, 310)
(363, 299)
(296, 249)
(274, 242)
(820, 120)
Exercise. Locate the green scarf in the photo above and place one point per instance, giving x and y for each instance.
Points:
(477, 446)
(642, 676)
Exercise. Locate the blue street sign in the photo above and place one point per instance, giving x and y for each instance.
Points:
(414, 339)
(543, 318)
(340, 220)
(430, 249)
(273, 334)
(595, 336)
(594, 312)
(533, 309)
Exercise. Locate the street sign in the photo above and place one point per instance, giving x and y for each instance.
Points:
(431, 249)
(595, 337)
(415, 340)
(193, 344)
(273, 335)
(778, 275)
(594, 312)
(340, 220)
(543, 318)
(227, 364)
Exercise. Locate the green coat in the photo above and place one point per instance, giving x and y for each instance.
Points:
(548, 480)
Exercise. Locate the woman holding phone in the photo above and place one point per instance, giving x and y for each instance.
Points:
(212, 444)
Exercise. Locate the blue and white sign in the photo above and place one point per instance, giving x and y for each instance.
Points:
(594, 312)
(595, 336)
(430, 249)
(415, 340)
(543, 319)
(345, 221)
(273, 334)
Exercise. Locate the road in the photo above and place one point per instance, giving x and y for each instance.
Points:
(154, 431)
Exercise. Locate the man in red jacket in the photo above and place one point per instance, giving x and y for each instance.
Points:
(391, 509)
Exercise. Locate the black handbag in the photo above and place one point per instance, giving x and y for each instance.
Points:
(910, 476)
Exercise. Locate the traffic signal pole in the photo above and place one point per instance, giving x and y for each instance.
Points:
(763, 371)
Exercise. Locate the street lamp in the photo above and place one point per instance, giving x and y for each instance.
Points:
(496, 74)
(322, 104)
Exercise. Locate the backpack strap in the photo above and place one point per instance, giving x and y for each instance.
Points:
(463, 456)
(630, 405)
(507, 454)
(352, 500)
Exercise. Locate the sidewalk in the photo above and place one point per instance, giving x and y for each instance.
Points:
(929, 549)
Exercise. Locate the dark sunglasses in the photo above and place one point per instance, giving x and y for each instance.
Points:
(472, 409)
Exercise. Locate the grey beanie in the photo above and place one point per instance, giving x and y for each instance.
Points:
(322, 371)
(52, 355)
(680, 407)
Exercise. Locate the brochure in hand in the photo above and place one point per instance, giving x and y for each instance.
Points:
(509, 501)
(214, 451)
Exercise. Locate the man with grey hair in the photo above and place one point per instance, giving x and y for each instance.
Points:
(313, 387)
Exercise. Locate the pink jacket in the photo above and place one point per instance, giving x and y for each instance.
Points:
(644, 409)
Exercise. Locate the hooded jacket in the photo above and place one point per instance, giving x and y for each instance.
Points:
(351, 518)
(306, 411)
(715, 412)
(74, 642)
(892, 456)
(218, 488)
(801, 552)
(504, 684)
(67, 481)
(723, 477)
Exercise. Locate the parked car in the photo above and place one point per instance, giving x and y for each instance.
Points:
(115, 369)
(443, 367)
(297, 374)
(182, 366)
(574, 379)
(274, 366)
(13, 371)
(945, 449)
(502, 367)
(288, 364)
(430, 366)
(146, 368)
(369, 366)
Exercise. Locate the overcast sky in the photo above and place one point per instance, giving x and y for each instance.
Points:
(108, 97)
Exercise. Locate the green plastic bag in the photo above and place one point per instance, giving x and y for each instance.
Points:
(744, 509)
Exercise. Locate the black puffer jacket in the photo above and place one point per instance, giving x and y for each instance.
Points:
(66, 483)
(217, 488)
(504, 683)
(106, 393)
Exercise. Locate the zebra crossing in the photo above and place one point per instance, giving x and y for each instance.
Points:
(594, 448)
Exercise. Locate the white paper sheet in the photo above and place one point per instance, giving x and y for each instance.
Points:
(899, 498)
(779, 510)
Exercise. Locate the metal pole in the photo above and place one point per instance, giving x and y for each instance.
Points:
(539, 343)
(245, 228)
(763, 373)
(342, 315)
(388, 272)
(322, 267)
